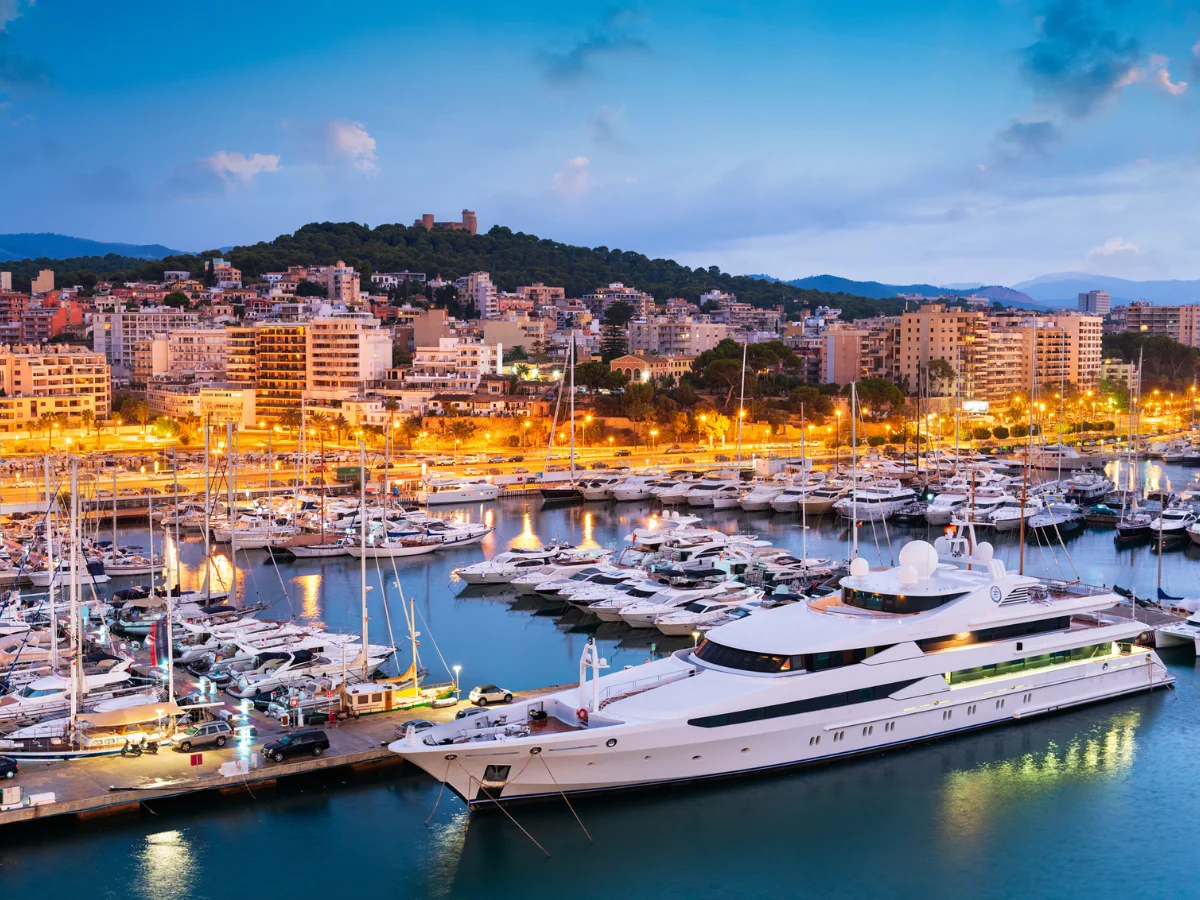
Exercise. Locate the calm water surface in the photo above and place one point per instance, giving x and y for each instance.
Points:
(1099, 800)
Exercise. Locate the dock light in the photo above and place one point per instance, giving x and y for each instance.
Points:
(695, 639)
(457, 669)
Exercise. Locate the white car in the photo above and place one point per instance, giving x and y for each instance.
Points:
(483, 694)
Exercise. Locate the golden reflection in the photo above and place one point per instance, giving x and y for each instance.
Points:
(310, 595)
(652, 522)
(971, 799)
(166, 865)
(588, 542)
(220, 573)
(489, 517)
(527, 539)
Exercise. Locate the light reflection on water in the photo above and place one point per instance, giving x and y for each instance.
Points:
(165, 866)
(972, 799)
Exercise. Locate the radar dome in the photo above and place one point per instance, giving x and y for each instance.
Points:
(907, 576)
(921, 556)
(984, 551)
(859, 568)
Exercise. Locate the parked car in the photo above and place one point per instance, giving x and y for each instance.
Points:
(721, 457)
(494, 471)
(202, 734)
(443, 461)
(517, 458)
(466, 712)
(556, 468)
(313, 741)
(623, 453)
(8, 767)
(496, 459)
(471, 471)
(520, 470)
(418, 724)
(483, 694)
(599, 464)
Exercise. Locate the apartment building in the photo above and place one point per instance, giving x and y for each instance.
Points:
(453, 365)
(647, 368)
(44, 283)
(1182, 323)
(515, 331)
(599, 300)
(225, 274)
(5, 281)
(934, 332)
(477, 288)
(241, 354)
(1095, 303)
(215, 403)
(342, 283)
(540, 295)
(114, 334)
(281, 367)
(1056, 348)
(60, 380)
(389, 281)
(674, 336)
(844, 354)
(346, 353)
(197, 354)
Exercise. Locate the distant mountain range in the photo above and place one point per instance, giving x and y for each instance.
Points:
(880, 291)
(1056, 291)
(61, 246)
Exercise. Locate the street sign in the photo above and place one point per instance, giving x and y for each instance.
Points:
(197, 759)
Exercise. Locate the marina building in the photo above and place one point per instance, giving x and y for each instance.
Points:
(66, 381)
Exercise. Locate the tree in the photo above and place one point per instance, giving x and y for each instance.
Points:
(177, 300)
(88, 418)
(980, 433)
(291, 419)
(461, 430)
(712, 424)
(726, 373)
(613, 342)
(136, 411)
(881, 398)
(516, 353)
(1019, 431)
(1000, 432)
(391, 406)
(941, 376)
(165, 428)
(411, 428)
(619, 314)
(311, 289)
(340, 424)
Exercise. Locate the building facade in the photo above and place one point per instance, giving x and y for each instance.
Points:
(64, 381)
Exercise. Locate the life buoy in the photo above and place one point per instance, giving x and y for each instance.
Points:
(582, 714)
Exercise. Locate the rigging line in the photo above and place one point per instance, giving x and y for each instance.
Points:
(432, 638)
(441, 790)
(386, 613)
(282, 586)
(565, 800)
(471, 779)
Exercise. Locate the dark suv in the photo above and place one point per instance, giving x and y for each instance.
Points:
(312, 741)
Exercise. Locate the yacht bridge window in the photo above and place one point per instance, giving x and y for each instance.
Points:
(796, 707)
(999, 633)
(896, 603)
(750, 661)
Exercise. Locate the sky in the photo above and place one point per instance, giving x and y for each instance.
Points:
(942, 141)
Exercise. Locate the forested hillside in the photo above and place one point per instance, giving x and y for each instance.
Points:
(512, 258)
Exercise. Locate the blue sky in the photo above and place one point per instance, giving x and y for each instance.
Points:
(990, 140)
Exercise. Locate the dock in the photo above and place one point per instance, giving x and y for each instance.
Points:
(115, 785)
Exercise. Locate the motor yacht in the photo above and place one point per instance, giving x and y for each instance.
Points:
(760, 495)
(1008, 515)
(1088, 487)
(702, 494)
(660, 528)
(942, 644)
(445, 491)
(1056, 519)
(674, 494)
(1172, 524)
(647, 612)
(636, 487)
(560, 568)
(1058, 456)
(874, 503)
(503, 567)
(600, 488)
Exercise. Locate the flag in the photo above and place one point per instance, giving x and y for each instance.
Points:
(156, 643)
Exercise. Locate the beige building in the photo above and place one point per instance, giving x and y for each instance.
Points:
(674, 335)
(281, 367)
(218, 403)
(844, 355)
(60, 380)
(116, 334)
(1057, 348)
(515, 331)
(934, 332)
(638, 367)
(1182, 323)
(44, 283)
(345, 355)
(453, 365)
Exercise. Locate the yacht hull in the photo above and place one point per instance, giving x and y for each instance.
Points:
(650, 755)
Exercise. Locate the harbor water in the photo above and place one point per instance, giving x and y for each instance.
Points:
(1096, 800)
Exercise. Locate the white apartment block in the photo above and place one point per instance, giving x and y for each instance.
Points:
(39, 380)
(674, 336)
(477, 288)
(389, 280)
(453, 365)
(345, 354)
(599, 300)
(195, 353)
(116, 333)
(216, 403)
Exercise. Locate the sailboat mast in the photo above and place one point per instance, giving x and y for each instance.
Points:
(114, 524)
(231, 476)
(853, 470)
(742, 406)
(362, 560)
(1028, 444)
(571, 355)
(412, 625)
(53, 566)
(73, 631)
(150, 519)
(207, 511)
(803, 497)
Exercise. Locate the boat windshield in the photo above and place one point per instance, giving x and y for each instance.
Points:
(896, 603)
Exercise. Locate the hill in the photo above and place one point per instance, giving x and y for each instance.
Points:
(61, 246)
(512, 258)
(865, 288)
(1062, 289)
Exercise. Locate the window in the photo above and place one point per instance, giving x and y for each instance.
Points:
(1029, 662)
(1004, 632)
(749, 661)
(798, 707)
(895, 603)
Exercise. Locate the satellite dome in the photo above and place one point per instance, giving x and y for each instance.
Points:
(984, 551)
(859, 568)
(921, 556)
(907, 576)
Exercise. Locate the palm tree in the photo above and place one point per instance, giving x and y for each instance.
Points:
(341, 423)
(88, 418)
(291, 419)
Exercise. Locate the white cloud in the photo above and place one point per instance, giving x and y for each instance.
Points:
(1174, 88)
(1114, 246)
(1196, 49)
(574, 179)
(350, 141)
(12, 9)
(238, 166)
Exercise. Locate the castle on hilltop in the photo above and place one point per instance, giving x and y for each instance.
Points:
(468, 223)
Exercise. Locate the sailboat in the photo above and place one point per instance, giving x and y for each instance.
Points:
(565, 492)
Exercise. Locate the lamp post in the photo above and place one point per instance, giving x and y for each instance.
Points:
(457, 689)
(587, 420)
(653, 439)
(837, 443)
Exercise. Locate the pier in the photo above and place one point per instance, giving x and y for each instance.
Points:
(116, 785)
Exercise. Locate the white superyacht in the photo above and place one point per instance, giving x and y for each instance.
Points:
(945, 642)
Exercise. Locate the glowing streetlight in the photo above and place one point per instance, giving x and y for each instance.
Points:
(457, 669)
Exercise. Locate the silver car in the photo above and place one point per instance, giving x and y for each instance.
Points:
(202, 734)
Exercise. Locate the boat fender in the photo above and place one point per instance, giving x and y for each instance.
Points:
(582, 715)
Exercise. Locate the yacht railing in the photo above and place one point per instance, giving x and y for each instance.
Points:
(641, 685)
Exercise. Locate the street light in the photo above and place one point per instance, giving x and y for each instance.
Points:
(457, 695)
(653, 438)
(587, 420)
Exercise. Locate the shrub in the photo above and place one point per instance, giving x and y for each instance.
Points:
(1000, 432)
(980, 433)
(876, 440)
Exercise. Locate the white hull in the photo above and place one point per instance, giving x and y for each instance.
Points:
(818, 507)
(319, 551)
(391, 552)
(616, 757)
(473, 494)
